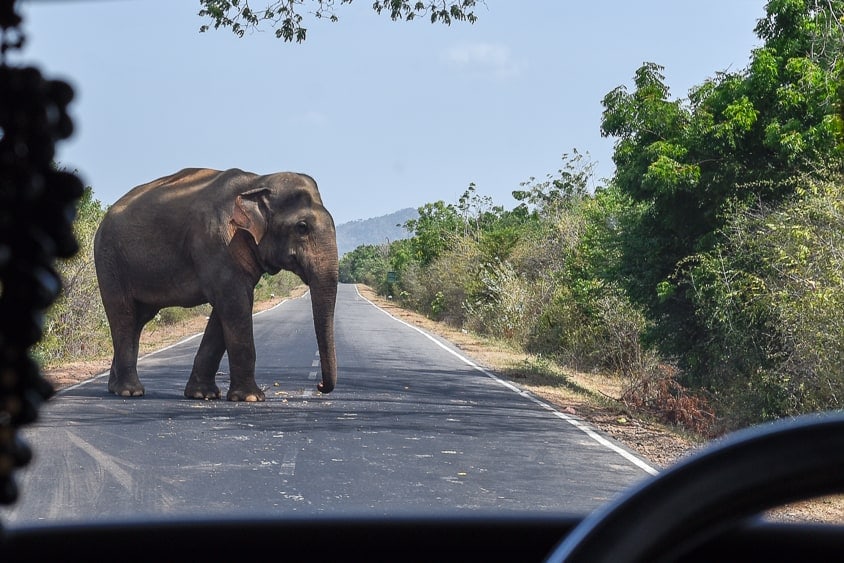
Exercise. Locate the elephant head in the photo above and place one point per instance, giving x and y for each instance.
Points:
(293, 231)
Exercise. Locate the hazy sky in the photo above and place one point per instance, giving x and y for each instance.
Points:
(385, 115)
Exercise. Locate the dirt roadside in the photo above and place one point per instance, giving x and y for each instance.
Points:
(586, 396)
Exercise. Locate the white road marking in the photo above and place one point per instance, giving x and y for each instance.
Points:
(288, 462)
(109, 464)
(577, 423)
(313, 374)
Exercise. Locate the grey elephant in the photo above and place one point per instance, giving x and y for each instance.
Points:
(207, 236)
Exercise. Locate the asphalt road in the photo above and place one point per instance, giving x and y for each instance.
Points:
(413, 427)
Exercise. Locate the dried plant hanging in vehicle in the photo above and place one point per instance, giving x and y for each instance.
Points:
(37, 208)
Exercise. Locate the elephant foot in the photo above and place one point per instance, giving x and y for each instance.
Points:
(250, 394)
(206, 391)
(126, 389)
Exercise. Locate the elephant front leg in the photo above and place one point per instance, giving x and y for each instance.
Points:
(124, 381)
(240, 343)
(201, 384)
(242, 363)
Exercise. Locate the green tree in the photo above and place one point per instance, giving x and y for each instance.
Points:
(287, 19)
(434, 230)
(366, 264)
(495, 230)
(554, 194)
(740, 137)
(382, 267)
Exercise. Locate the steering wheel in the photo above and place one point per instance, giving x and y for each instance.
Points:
(713, 491)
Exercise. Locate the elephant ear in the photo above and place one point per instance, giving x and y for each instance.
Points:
(248, 213)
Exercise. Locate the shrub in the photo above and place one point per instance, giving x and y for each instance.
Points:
(447, 281)
(592, 325)
(656, 390)
(505, 304)
(770, 296)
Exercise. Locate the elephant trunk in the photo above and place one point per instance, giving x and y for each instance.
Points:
(323, 299)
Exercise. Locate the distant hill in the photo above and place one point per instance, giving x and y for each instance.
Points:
(377, 230)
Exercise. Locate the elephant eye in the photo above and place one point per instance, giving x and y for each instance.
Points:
(302, 228)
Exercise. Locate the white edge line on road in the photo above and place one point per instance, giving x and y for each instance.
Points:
(182, 341)
(577, 423)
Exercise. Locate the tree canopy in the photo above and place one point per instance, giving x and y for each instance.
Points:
(286, 16)
(741, 137)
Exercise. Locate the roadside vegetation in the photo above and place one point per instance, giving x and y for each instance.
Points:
(707, 274)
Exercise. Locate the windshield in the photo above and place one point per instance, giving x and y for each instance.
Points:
(573, 244)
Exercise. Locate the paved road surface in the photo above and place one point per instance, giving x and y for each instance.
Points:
(412, 427)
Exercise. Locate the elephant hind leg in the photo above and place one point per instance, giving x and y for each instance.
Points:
(201, 384)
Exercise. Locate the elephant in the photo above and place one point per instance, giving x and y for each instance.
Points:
(207, 236)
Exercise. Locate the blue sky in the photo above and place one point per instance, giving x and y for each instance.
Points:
(385, 115)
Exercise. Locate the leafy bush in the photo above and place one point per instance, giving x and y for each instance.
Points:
(505, 304)
(447, 281)
(563, 331)
(734, 140)
(770, 295)
(592, 325)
